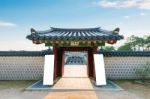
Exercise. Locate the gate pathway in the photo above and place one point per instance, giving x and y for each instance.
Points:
(75, 71)
(72, 88)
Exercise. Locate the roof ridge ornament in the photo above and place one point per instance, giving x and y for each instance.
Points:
(51, 28)
(116, 30)
(99, 28)
(33, 31)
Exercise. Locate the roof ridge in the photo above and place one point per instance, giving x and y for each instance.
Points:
(76, 29)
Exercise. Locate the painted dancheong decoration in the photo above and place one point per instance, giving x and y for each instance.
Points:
(76, 39)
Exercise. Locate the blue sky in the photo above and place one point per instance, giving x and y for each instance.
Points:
(18, 16)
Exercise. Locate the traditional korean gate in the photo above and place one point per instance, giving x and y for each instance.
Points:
(67, 39)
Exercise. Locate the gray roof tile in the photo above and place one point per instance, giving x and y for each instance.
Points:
(73, 34)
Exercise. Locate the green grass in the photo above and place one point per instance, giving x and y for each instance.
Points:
(15, 84)
(130, 84)
(122, 81)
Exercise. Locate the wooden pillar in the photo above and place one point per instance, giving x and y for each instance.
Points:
(94, 49)
(63, 62)
(89, 63)
(55, 50)
(94, 52)
(91, 69)
(60, 62)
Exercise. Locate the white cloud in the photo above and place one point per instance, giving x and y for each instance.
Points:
(127, 17)
(144, 14)
(5, 24)
(7, 45)
(142, 4)
(145, 4)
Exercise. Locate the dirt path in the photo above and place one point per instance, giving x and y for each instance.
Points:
(15, 90)
(19, 93)
(72, 95)
(73, 84)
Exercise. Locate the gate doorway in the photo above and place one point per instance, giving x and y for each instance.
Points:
(75, 64)
(59, 62)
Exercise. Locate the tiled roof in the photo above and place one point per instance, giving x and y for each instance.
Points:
(105, 53)
(75, 34)
(125, 53)
(25, 53)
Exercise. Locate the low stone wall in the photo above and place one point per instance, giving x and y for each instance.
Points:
(30, 65)
(21, 67)
(124, 67)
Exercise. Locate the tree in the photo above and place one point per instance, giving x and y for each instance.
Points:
(109, 48)
(132, 42)
(125, 47)
(140, 42)
(147, 42)
(136, 43)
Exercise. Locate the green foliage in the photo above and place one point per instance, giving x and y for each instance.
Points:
(135, 43)
(125, 47)
(15, 83)
(109, 48)
(147, 42)
(144, 72)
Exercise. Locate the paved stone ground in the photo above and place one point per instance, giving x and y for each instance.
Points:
(74, 78)
(84, 83)
(72, 95)
(132, 91)
(75, 71)
(73, 84)
(19, 93)
(117, 95)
